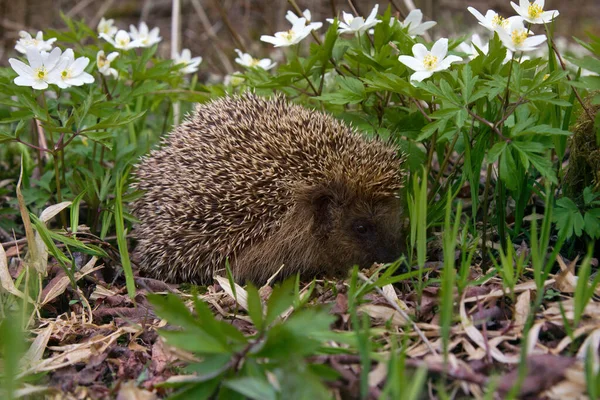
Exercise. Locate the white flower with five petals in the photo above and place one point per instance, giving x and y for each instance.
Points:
(143, 36)
(283, 39)
(122, 40)
(190, 64)
(476, 43)
(352, 24)
(248, 61)
(292, 18)
(415, 25)
(38, 74)
(426, 62)
(492, 20)
(70, 71)
(534, 12)
(106, 26)
(38, 42)
(103, 62)
(516, 37)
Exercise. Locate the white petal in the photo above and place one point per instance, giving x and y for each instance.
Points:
(539, 3)
(34, 57)
(524, 4)
(24, 80)
(517, 9)
(112, 56)
(291, 17)
(315, 25)
(39, 85)
(419, 51)
(548, 16)
(440, 48)
(534, 41)
(373, 14)
(445, 63)
(420, 75)
(347, 17)
(53, 58)
(79, 65)
(20, 67)
(411, 62)
(270, 39)
(413, 17)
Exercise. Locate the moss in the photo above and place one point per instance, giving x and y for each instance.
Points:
(584, 160)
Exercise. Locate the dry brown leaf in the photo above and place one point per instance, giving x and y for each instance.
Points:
(521, 287)
(5, 278)
(36, 351)
(480, 341)
(130, 391)
(522, 308)
(378, 374)
(241, 296)
(543, 371)
(382, 313)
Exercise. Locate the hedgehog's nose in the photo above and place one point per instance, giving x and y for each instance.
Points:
(388, 252)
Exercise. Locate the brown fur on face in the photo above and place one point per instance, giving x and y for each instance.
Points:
(264, 183)
(329, 230)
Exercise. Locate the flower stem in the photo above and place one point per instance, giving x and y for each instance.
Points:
(53, 151)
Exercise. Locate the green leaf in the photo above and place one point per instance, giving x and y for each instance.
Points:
(568, 218)
(171, 308)
(253, 387)
(194, 339)
(255, 310)
(591, 222)
(281, 298)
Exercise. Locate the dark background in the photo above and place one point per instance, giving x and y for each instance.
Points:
(251, 18)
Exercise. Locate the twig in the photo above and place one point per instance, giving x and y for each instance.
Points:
(232, 31)
(401, 312)
(211, 33)
(564, 67)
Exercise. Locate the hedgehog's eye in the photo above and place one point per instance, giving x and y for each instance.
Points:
(362, 228)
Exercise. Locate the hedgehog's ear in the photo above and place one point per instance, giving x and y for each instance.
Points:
(319, 201)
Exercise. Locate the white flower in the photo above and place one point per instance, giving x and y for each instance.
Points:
(414, 24)
(492, 20)
(143, 36)
(290, 16)
(106, 26)
(70, 72)
(247, 60)
(534, 12)
(122, 40)
(298, 32)
(425, 62)
(476, 43)
(516, 38)
(38, 73)
(352, 24)
(185, 58)
(38, 42)
(103, 63)
(234, 79)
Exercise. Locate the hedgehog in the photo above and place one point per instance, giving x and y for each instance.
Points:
(272, 188)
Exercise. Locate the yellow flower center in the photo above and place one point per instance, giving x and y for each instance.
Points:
(430, 61)
(518, 36)
(254, 62)
(289, 35)
(123, 42)
(41, 73)
(499, 21)
(65, 74)
(534, 11)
